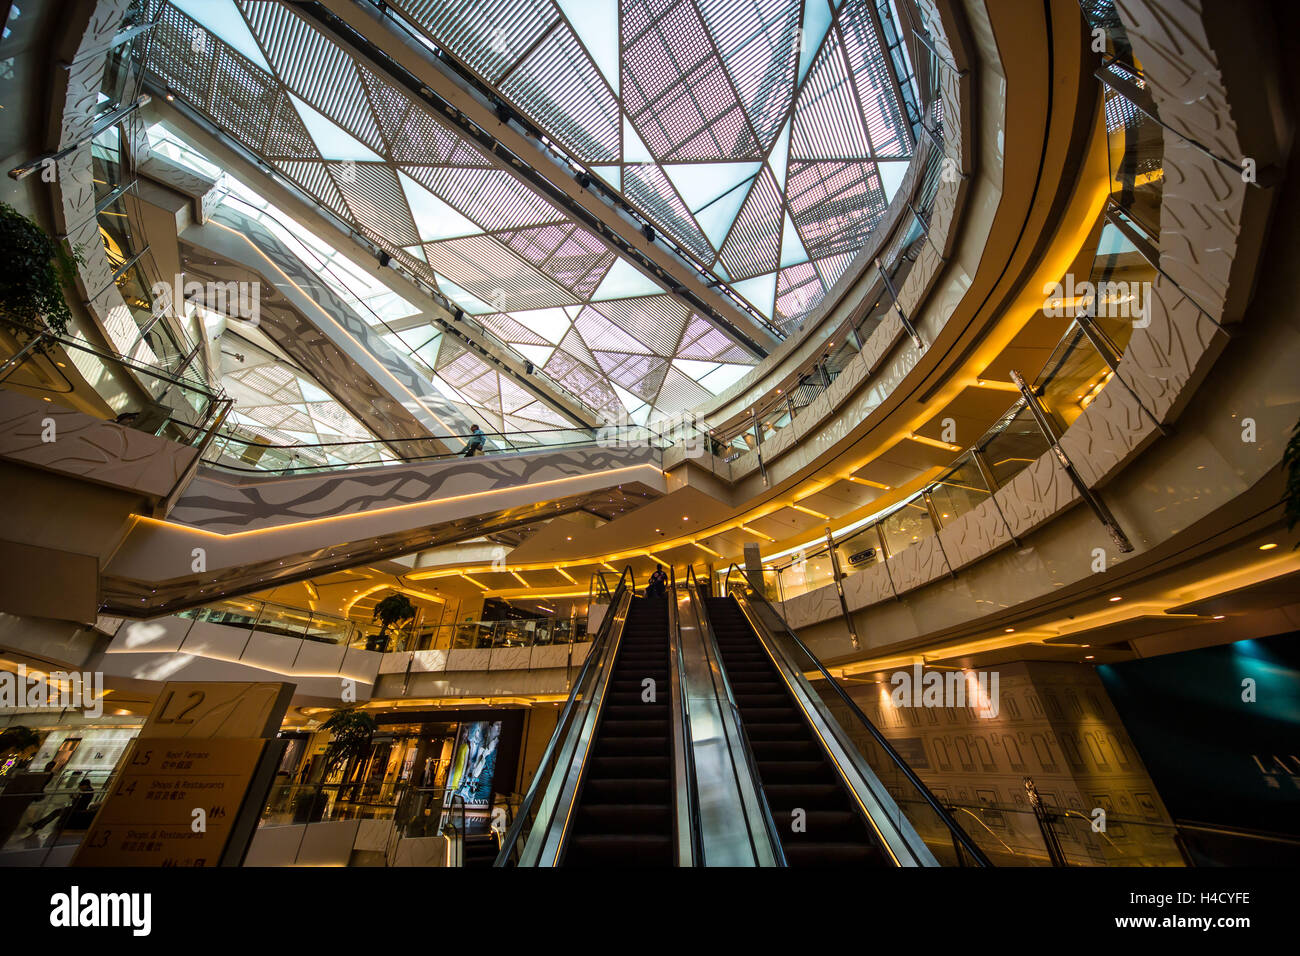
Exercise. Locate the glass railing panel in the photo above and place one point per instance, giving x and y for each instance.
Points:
(906, 526)
(285, 621)
(960, 490)
(1122, 278)
(860, 550)
(1136, 154)
(1072, 377)
(1015, 443)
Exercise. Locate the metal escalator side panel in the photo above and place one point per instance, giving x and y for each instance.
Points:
(893, 829)
(546, 843)
(733, 815)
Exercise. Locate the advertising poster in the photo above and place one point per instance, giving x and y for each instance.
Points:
(474, 762)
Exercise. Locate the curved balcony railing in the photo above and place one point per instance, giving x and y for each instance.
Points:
(266, 617)
(1083, 362)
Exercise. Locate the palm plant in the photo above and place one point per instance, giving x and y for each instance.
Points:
(351, 733)
(393, 609)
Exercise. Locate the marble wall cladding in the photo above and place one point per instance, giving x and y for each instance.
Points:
(918, 565)
(75, 208)
(871, 585)
(975, 534)
(58, 439)
(1109, 432)
(1035, 495)
(548, 657)
(1163, 358)
(224, 503)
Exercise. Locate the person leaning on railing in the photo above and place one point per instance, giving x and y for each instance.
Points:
(476, 442)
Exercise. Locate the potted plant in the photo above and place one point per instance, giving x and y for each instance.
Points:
(34, 269)
(393, 609)
(351, 733)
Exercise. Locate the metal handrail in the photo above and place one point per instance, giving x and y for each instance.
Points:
(562, 726)
(746, 747)
(881, 740)
(687, 757)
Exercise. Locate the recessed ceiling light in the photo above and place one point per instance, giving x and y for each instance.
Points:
(1087, 657)
(1219, 617)
(1116, 598)
(1010, 629)
(1267, 547)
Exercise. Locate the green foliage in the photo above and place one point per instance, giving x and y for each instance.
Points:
(33, 272)
(393, 610)
(1291, 461)
(352, 731)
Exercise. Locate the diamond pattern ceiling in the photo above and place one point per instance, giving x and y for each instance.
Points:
(765, 136)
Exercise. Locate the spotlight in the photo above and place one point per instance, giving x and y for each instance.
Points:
(528, 368)
(384, 259)
(649, 232)
(169, 96)
(583, 180)
(458, 315)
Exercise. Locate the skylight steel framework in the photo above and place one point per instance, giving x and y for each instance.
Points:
(764, 136)
(774, 124)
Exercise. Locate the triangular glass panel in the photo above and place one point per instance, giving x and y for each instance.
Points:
(792, 250)
(701, 183)
(416, 251)
(816, 21)
(596, 23)
(550, 324)
(471, 304)
(634, 151)
(693, 368)
(223, 18)
(780, 156)
(623, 281)
(759, 291)
(717, 217)
(539, 355)
(891, 177)
(630, 401)
(611, 174)
(434, 219)
(332, 140)
(723, 377)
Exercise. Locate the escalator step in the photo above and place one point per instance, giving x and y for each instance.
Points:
(832, 854)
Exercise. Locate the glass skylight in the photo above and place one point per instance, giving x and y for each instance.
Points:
(764, 136)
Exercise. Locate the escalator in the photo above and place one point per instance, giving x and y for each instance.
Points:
(624, 812)
(794, 770)
(743, 758)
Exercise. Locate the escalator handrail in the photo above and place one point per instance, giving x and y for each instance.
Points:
(688, 755)
(881, 740)
(747, 750)
(562, 728)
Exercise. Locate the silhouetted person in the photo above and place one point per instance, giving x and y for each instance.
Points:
(476, 442)
(657, 588)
